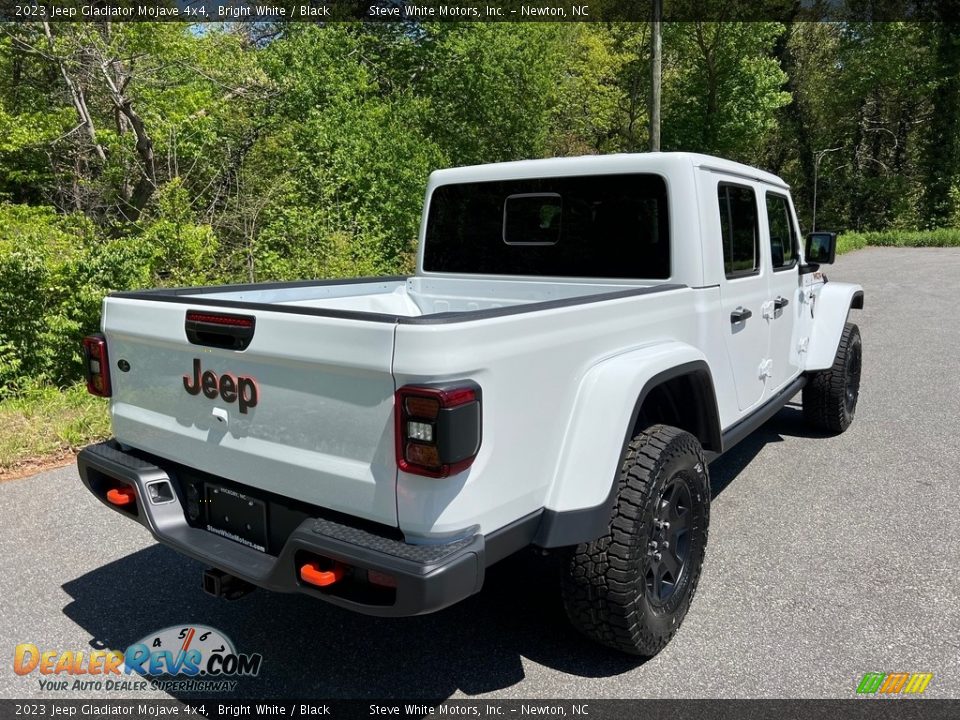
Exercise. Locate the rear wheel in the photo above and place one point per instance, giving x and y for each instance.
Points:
(830, 396)
(631, 588)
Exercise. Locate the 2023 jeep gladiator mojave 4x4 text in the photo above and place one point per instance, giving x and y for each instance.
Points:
(581, 337)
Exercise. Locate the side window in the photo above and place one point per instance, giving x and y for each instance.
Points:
(739, 229)
(783, 234)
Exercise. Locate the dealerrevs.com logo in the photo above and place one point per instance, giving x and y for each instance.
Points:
(185, 658)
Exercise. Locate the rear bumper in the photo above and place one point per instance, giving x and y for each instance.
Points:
(428, 577)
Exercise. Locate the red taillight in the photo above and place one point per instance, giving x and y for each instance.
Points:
(96, 365)
(438, 428)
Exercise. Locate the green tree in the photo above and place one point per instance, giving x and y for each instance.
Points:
(721, 86)
(861, 92)
(492, 88)
(587, 115)
(120, 108)
(334, 181)
(942, 153)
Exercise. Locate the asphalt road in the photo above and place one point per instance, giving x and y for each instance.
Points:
(828, 558)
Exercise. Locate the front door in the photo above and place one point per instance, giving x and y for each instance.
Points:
(784, 296)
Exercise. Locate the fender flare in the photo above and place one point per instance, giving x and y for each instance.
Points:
(604, 414)
(832, 308)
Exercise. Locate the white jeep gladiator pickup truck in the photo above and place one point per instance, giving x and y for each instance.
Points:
(581, 338)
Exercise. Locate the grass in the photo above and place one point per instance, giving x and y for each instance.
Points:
(43, 423)
(940, 237)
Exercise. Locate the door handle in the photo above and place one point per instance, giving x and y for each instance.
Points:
(741, 314)
(780, 303)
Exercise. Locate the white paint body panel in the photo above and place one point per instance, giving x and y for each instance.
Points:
(321, 431)
(528, 394)
(559, 383)
(592, 449)
(830, 310)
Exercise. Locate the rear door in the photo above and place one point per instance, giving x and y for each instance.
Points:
(305, 410)
(743, 289)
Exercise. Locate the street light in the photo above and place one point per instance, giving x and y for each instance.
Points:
(817, 157)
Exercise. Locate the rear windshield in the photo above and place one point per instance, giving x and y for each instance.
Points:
(603, 226)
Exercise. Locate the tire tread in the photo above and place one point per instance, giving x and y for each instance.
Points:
(602, 593)
(823, 395)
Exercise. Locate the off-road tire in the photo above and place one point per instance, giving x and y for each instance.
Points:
(830, 396)
(605, 582)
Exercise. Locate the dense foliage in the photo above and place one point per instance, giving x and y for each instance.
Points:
(145, 154)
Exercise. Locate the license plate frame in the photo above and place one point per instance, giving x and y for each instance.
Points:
(237, 516)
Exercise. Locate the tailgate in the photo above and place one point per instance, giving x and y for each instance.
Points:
(305, 411)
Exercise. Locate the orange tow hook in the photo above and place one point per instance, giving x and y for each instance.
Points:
(312, 574)
(121, 496)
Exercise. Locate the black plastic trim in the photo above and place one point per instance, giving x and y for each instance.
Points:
(738, 274)
(511, 538)
(255, 287)
(796, 237)
(571, 527)
(228, 337)
(740, 315)
(193, 296)
(741, 274)
(454, 317)
(785, 268)
(739, 430)
(459, 432)
(856, 302)
(429, 577)
(833, 252)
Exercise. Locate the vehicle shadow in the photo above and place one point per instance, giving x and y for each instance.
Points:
(787, 422)
(311, 649)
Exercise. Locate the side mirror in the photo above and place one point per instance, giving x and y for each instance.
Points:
(821, 248)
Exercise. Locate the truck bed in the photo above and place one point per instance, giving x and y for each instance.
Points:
(398, 299)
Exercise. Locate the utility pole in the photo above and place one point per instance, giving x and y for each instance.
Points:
(656, 60)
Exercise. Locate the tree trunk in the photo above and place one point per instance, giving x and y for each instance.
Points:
(76, 96)
(147, 184)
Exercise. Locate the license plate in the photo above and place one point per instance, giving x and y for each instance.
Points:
(236, 516)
